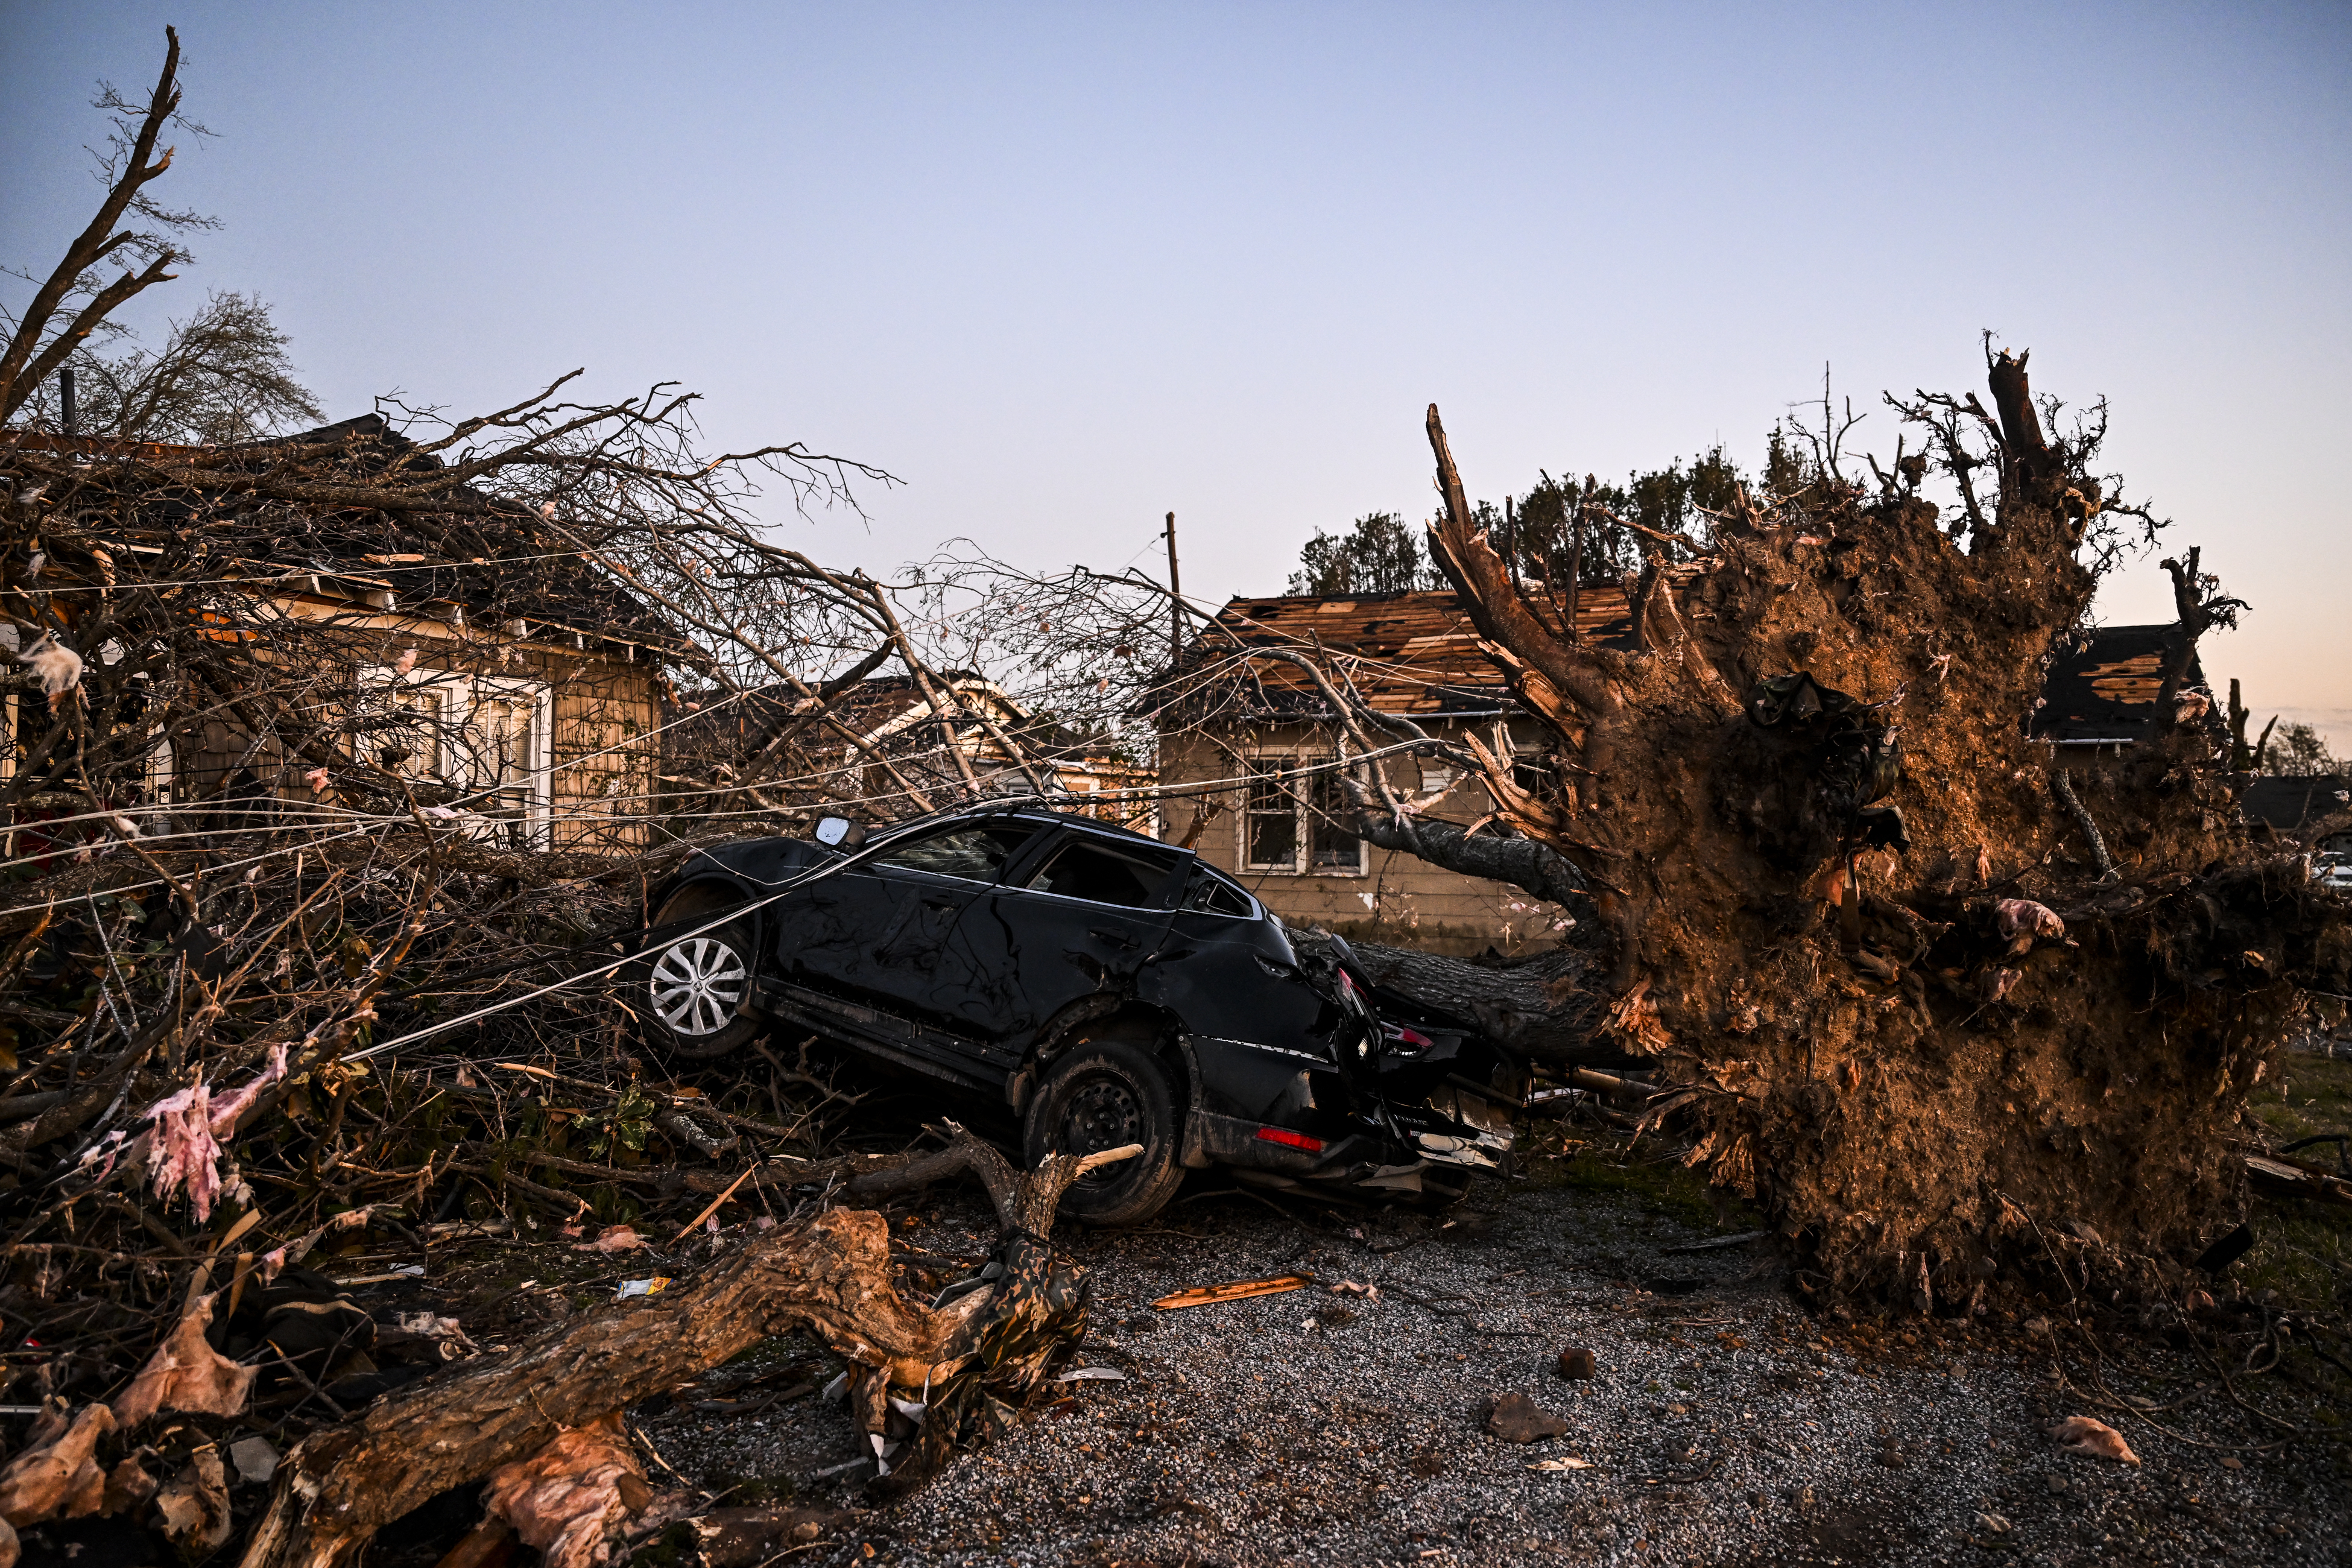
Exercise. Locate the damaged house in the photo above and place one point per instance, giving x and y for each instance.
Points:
(516, 698)
(1236, 727)
(2098, 698)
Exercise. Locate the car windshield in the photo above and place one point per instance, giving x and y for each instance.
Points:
(978, 854)
(1088, 867)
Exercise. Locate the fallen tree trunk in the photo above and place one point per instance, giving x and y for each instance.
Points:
(1547, 1009)
(985, 1351)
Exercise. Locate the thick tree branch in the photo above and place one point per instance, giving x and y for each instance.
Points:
(24, 361)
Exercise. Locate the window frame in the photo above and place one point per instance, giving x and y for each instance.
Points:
(459, 695)
(1170, 891)
(1252, 909)
(1303, 817)
(882, 865)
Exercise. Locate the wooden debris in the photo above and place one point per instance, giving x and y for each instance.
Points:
(984, 1353)
(2278, 1175)
(1237, 1290)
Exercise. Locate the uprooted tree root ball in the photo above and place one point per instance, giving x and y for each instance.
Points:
(2000, 1034)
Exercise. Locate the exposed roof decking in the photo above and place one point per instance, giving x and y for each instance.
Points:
(1415, 653)
(2105, 692)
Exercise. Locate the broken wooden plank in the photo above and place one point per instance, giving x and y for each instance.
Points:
(1234, 1291)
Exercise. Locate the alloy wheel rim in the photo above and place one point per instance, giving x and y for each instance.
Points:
(697, 986)
(1103, 1113)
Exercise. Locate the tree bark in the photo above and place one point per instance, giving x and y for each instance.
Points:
(1547, 1009)
(831, 1277)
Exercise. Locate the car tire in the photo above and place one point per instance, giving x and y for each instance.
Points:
(688, 991)
(1099, 1095)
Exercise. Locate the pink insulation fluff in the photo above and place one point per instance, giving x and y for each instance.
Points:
(188, 1128)
(186, 1373)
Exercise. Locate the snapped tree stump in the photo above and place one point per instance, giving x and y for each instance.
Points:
(980, 1354)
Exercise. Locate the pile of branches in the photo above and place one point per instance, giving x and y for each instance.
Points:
(301, 958)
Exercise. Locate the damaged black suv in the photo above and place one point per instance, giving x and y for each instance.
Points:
(1109, 988)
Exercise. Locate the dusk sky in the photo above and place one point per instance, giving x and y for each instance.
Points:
(1064, 269)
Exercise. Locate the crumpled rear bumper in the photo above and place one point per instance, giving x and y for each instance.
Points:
(1378, 1161)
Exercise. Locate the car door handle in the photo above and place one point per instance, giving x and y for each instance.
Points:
(1118, 938)
(940, 903)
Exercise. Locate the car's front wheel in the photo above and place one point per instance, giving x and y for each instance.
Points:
(1098, 1096)
(691, 990)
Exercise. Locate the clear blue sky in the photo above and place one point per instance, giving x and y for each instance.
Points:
(1067, 268)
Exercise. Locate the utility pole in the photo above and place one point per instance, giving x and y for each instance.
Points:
(65, 403)
(1510, 542)
(1175, 598)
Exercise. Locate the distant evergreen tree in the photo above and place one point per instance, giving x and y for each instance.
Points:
(1672, 499)
(2300, 752)
(1380, 554)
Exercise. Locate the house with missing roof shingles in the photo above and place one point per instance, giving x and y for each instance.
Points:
(1243, 725)
(2098, 696)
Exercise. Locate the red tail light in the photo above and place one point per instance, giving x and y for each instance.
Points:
(1288, 1139)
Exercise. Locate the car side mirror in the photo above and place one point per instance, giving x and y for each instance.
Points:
(839, 833)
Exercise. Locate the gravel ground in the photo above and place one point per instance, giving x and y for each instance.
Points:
(1723, 1424)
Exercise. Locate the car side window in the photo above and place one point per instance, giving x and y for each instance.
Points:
(1089, 868)
(976, 854)
(1215, 895)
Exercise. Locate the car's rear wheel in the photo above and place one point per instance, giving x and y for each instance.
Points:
(1098, 1096)
(691, 990)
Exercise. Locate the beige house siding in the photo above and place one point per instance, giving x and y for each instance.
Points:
(1396, 899)
(604, 755)
(589, 773)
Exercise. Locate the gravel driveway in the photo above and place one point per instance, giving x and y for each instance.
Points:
(1723, 1424)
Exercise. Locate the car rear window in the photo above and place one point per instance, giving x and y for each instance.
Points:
(976, 853)
(1215, 895)
(1105, 873)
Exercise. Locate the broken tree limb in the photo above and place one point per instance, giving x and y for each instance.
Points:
(831, 1277)
(1611, 1083)
(2064, 789)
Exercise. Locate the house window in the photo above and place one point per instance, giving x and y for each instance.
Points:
(501, 759)
(1298, 823)
(483, 744)
(1271, 826)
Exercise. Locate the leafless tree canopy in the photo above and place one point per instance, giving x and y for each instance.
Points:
(220, 377)
(132, 236)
